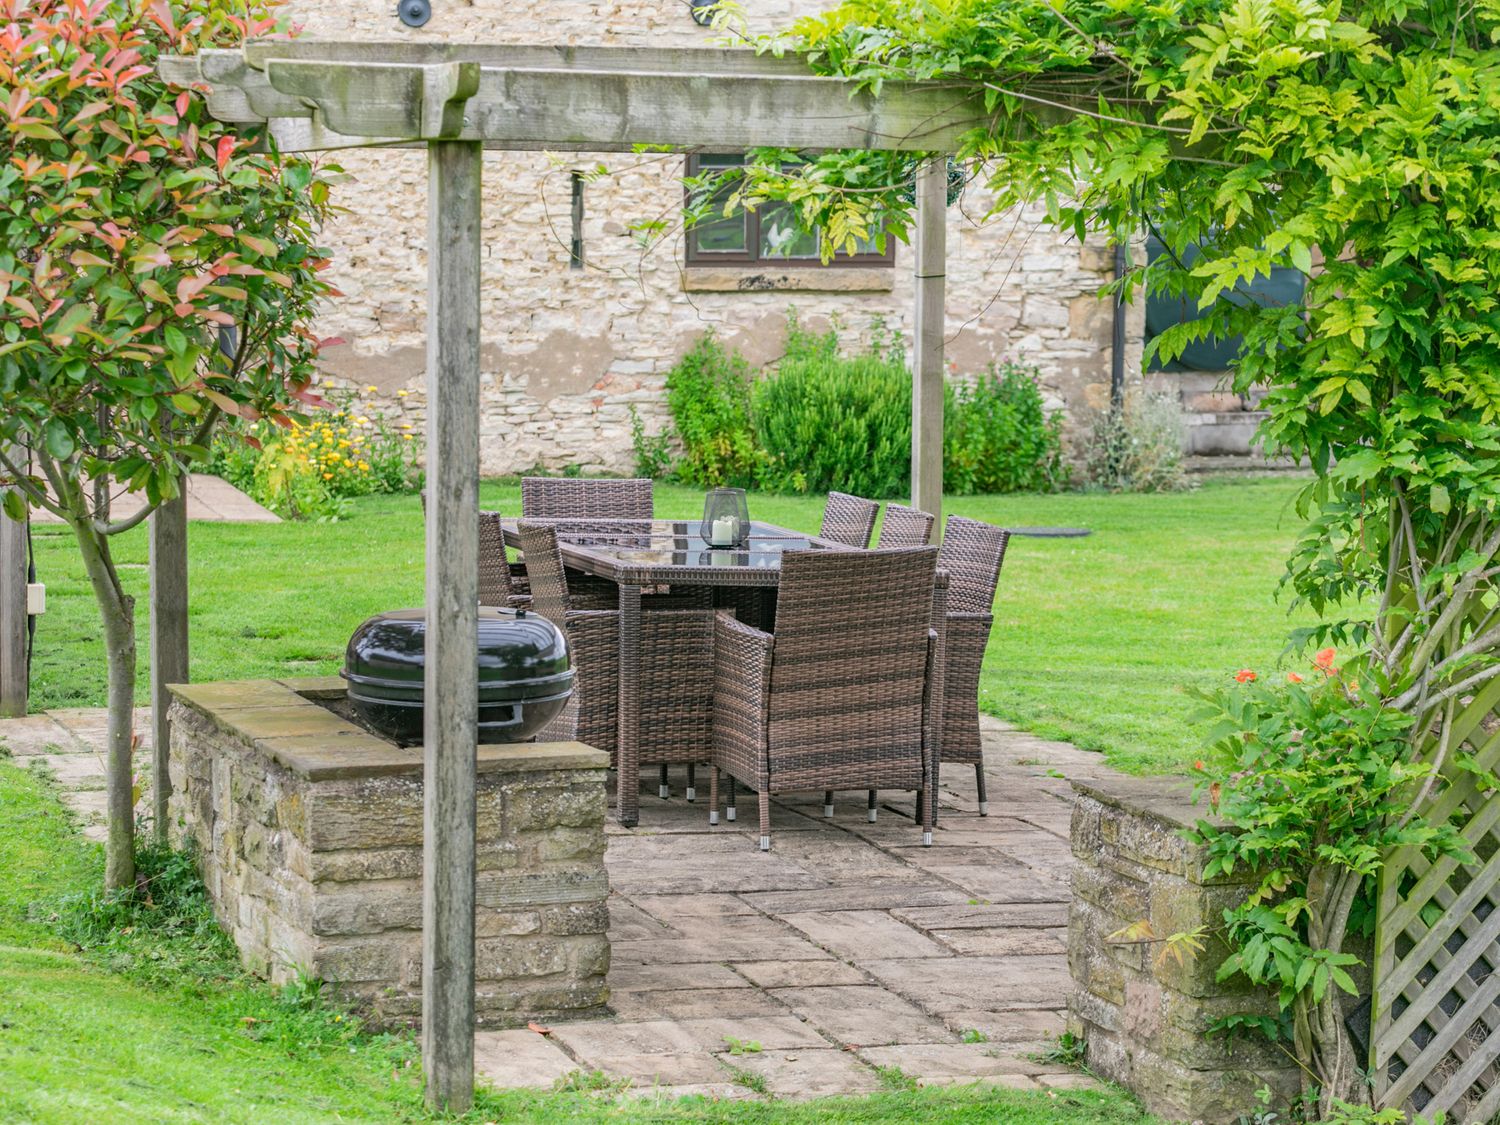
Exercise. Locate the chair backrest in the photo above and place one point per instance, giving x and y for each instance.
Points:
(495, 587)
(585, 498)
(905, 527)
(848, 519)
(850, 661)
(544, 571)
(972, 554)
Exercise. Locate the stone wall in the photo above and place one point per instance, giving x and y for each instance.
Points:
(1143, 1015)
(309, 833)
(567, 352)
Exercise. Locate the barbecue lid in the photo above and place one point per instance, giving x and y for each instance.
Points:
(521, 655)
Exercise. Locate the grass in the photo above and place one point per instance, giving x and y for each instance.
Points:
(1094, 640)
(145, 1017)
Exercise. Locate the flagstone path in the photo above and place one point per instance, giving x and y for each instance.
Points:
(844, 954)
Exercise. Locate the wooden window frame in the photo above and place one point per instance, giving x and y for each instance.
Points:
(751, 257)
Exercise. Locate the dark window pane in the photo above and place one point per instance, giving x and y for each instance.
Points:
(721, 235)
(780, 237)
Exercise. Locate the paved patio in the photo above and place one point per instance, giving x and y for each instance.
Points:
(208, 498)
(845, 950)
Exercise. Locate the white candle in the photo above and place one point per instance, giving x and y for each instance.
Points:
(723, 532)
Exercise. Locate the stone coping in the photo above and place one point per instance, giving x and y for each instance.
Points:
(769, 278)
(282, 720)
(1167, 802)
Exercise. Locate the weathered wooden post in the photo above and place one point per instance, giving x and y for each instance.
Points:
(13, 631)
(930, 270)
(169, 640)
(454, 176)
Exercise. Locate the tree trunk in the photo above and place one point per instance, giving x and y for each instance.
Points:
(117, 615)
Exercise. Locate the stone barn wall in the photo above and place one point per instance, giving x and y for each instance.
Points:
(567, 352)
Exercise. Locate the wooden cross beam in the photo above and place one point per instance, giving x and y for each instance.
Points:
(458, 100)
(315, 96)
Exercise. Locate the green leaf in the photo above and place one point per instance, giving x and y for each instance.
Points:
(14, 504)
(1438, 499)
(59, 441)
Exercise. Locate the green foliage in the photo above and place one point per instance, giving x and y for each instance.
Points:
(998, 436)
(310, 469)
(1138, 448)
(653, 452)
(829, 421)
(1066, 1050)
(134, 228)
(708, 392)
(1312, 781)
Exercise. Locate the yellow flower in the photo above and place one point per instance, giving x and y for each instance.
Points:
(343, 443)
(362, 420)
(372, 388)
(402, 394)
(406, 437)
(364, 466)
(327, 476)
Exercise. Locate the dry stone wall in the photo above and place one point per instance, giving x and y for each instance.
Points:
(1144, 1014)
(567, 352)
(309, 836)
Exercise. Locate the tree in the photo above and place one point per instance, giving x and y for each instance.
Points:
(156, 273)
(1357, 143)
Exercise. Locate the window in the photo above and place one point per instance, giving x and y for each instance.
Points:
(766, 236)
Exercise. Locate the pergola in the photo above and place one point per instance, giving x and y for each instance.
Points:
(459, 100)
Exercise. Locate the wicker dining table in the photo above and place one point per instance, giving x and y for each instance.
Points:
(650, 557)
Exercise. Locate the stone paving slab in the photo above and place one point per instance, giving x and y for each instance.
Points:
(846, 949)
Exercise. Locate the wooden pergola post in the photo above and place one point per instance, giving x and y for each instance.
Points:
(13, 625)
(450, 718)
(929, 266)
(169, 641)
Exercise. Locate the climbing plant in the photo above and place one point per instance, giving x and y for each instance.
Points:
(1357, 143)
(156, 273)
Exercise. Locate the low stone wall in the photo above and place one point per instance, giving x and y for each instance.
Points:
(1142, 1014)
(309, 832)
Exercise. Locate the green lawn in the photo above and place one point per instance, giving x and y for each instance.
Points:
(171, 1031)
(1094, 638)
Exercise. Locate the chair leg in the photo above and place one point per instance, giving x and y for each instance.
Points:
(765, 818)
(924, 807)
(828, 803)
(664, 790)
(870, 808)
(713, 796)
(691, 792)
(729, 812)
(984, 804)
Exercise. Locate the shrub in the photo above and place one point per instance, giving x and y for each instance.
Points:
(827, 421)
(998, 436)
(709, 396)
(653, 452)
(1138, 449)
(310, 469)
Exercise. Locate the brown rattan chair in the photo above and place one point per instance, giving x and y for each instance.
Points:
(501, 582)
(838, 696)
(972, 554)
(848, 520)
(905, 527)
(558, 498)
(676, 672)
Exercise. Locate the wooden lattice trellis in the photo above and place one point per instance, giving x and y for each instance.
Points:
(1435, 1012)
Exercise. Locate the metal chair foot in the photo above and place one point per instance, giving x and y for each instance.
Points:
(690, 794)
(729, 813)
(765, 843)
(713, 818)
(984, 808)
(663, 791)
(870, 815)
(927, 839)
(828, 811)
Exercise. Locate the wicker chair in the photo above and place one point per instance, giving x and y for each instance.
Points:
(557, 498)
(838, 696)
(905, 527)
(848, 520)
(501, 582)
(676, 671)
(972, 554)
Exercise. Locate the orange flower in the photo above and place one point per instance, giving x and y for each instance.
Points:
(1244, 676)
(1324, 659)
(1293, 678)
(1198, 765)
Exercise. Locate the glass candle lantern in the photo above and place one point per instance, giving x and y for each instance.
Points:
(726, 518)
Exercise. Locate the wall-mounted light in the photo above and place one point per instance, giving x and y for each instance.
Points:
(413, 13)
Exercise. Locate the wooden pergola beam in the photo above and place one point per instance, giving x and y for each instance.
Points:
(676, 99)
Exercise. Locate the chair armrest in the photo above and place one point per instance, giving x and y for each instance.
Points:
(730, 630)
(742, 689)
